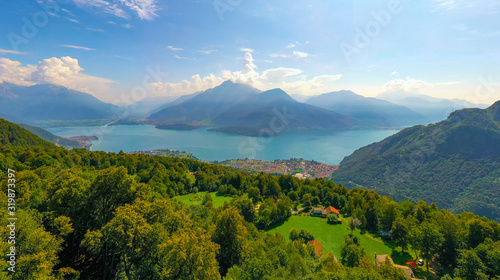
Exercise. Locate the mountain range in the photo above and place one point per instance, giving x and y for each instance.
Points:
(229, 107)
(434, 109)
(241, 109)
(50, 102)
(455, 163)
(371, 110)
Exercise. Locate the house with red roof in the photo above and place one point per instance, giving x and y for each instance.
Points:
(318, 246)
(331, 209)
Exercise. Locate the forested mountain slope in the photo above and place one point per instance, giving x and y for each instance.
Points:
(454, 163)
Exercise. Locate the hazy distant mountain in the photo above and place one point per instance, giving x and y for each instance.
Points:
(455, 163)
(145, 107)
(301, 97)
(375, 111)
(274, 111)
(15, 120)
(435, 109)
(50, 102)
(207, 105)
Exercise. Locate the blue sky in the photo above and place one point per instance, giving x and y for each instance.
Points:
(110, 48)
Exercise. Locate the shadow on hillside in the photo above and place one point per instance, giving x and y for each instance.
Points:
(277, 225)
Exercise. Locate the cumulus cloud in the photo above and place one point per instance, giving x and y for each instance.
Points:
(64, 71)
(289, 79)
(13, 72)
(145, 9)
(407, 85)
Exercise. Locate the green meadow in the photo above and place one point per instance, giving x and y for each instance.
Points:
(196, 198)
(331, 236)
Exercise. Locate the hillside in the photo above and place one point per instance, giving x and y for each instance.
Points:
(49, 137)
(455, 163)
(375, 111)
(16, 135)
(52, 103)
(274, 111)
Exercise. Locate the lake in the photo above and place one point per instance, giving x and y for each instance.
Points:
(323, 145)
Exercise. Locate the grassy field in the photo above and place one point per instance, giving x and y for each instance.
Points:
(332, 236)
(218, 200)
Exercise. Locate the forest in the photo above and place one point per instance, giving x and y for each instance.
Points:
(96, 215)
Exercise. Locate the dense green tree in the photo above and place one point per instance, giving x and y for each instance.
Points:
(470, 266)
(188, 255)
(429, 240)
(400, 233)
(351, 254)
(230, 234)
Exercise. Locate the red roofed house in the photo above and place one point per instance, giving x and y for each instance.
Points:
(331, 209)
(412, 264)
(318, 246)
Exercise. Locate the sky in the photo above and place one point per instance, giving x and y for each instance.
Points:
(124, 50)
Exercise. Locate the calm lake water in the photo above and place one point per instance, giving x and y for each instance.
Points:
(323, 146)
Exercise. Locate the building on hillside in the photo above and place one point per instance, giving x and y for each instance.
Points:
(331, 209)
(380, 259)
(318, 247)
(318, 212)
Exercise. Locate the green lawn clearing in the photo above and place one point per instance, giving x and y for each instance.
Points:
(331, 236)
(189, 198)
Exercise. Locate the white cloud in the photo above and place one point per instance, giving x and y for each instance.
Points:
(64, 71)
(13, 72)
(276, 75)
(174, 49)
(274, 55)
(300, 54)
(103, 6)
(72, 20)
(445, 4)
(408, 85)
(95, 29)
(145, 9)
(78, 47)
(247, 50)
(394, 73)
(207, 51)
(10, 51)
(180, 57)
(295, 54)
(68, 12)
(127, 25)
(292, 45)
(289, 79)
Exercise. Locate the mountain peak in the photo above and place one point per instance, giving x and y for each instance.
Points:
(274, 94)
